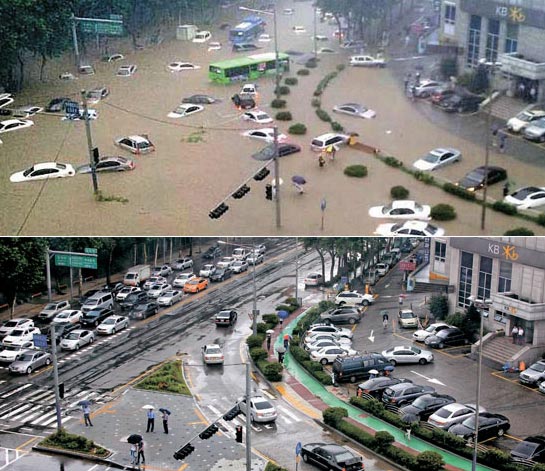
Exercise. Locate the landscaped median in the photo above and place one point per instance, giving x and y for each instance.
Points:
(167, 378)
(73, 445)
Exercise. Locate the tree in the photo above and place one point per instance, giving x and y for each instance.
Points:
(439, 306)
(22, 267)
(430, 461)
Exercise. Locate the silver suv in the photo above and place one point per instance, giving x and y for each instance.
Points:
(533, 375)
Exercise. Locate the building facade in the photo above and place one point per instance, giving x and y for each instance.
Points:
(508, 34)
(508, 271)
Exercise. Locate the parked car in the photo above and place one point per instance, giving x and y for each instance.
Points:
(531, 448)
(313, 279)
(77, 339)
(134, 299)
(200, 99)
(50, 310)
(261, 410)
(109, 164)
(353, 298)
(225, 262)
(382, 268)
(221, 274)
(212, 354)
(136, 144)
(535, 131)
(441, 94)
(367, 61)
(329, 329)
(226, 317)
(527, 197)
(331, 456)
(94, 317)
(341, 315)
(355, 109)
(163, 270)
(407, 354)
(461, 103)
(327, 355)
(212, 252)
(409, 228)
(144, 310)
(438, 158)
(243, 101)
(319, 344)
(102, 299)
(534, 374)
(72, 316)
(12, 324)
(170, 297)
(401, 209)
(183, 263)
(353, 368)
(447, 338)
(452, 414)
(424, 406)
(324, 141)
(426, 88)
(113, 324)
(490, 425)
(407, 319)
(475, 179)
(421, 334)
(376, 386)
(523, 119)
(182, 279)
(404, 393)
(29, 362)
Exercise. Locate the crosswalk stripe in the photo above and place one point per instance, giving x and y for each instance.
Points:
(11, 393)
(285, 411)
(28, 418)
(22, 408)
(45, 417)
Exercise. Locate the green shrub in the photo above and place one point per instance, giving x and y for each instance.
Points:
(393, 162)
(261, 327)
(292, 301)
(283, 116)
(449, 67)
(399, 193)
(258, 353)
(337, 127)
(297, 128)
(503, 207)
(278, 103)
(291, 81)
(458, 191)
(282, 90)
(274, 467)
(272, 371)
(303, 72)
(356, 433)
(358, 171)
(439, 306)
(323, 115)
(429, 461)
(519, 231)
(495, 458)
(383, 439)
(286, 307)
(299, 353)
(270, 318)
(62, 439)
(255, 341)
(317, 92)
(401, 457)
(340, 67)
(323, 377)
(334, 415)
(424, 177)
(316, 102)
(443, 212)
(541, 219)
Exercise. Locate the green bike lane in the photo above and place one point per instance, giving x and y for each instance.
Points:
(317, 389)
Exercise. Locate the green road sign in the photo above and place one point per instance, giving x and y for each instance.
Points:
(107, 29)
(90, 250)
(75, 261)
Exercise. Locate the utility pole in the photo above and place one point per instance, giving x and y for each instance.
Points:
(486, 161)
(75, 40)
(248, 426)
(277, 179)
(48, 274)
(296, 270)
(89, 142)
(56, 375)
(315, 41)
(277, 62)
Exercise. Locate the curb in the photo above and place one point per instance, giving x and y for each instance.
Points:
(75, 454)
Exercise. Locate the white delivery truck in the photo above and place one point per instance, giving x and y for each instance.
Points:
(137, 275)
(240, 253)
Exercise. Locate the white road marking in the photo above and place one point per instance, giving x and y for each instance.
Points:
(11, 393)
(431, 380)
(372, 337)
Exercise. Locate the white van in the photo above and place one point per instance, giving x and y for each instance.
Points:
(329, 139)
(240, 253)
(202, 37)
(99, 300)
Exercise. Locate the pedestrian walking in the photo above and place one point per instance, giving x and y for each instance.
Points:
(401, 300)
(408, 434)
(505, 189)
(515, 333)
(385, 319)
(522, 90)
(287, 339)
(281, 351)
(412, 92)
(333, 152)
(268, 342)
(417, 79)
(533, 94)
(87, 415)
(521, 336)
(329, 152)
(405, 83)
(151, 421)
(141, 453)
(407, 40)
(503, 138)
(165, 421)
(133, 453)
(298, 187)
(321, 160)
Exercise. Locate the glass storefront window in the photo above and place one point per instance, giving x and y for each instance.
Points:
(466, 274)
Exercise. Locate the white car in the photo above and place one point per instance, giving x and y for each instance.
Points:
(179, 66)
(367, 61)
(136, 144)
(214, 46)
(261, 410)
(80, 116)
(319, 344)
(5, 99)
(422, 334)
(407, 354)
(207, 270)
(170, 297)
(328, 354)
(401, 209)
(77, 339)
(127, 70)
(381, 269)
(264, 38)
(332, 337)
(182, 279)
(527, 197)
(212, 354)
(264, 134)
(248, 89)
(72, 316)
(12, 324)
(257, 116)
(313, 279)
(437, 158)
(15, 124)
(452, 414)
(113, 58)
(43, 171)
(50, 310)
(183, 263)
(185, 109)
(353, 298)
(426, 88)
(225, 262)
(261, 249)
(12, 353)
(407, 319)
(113, 324)
(27, 111)
(20, 336)
(163, 270)
(155, 280)
(239, 266)
(288, 11)
(156, 291)
(326, 50)
(329, 329)
(523, 119)
(355, 109)
(125, 291)
(299, 29)
(254, 259)
(202, 36)
(410, 228)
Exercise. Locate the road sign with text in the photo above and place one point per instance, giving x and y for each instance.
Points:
(406, 265)
(76, 261)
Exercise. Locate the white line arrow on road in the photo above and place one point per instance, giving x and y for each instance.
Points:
(372, 337)
(431, 380)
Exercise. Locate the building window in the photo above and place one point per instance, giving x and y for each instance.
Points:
(485, 278)
(466, 273)
(511, 37)
(450, 19)
(440, 252)
(492, 40)
(474, 41)
(504, 280)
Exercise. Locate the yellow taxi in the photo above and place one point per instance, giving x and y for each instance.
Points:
(195, 285)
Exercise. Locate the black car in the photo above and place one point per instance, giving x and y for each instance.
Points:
(490, 425)
(227, 317)
(447, 338)
(376, 386)
(244, 47)
(144, 310)
(331, 456)
(267, 153)
(531, 448)
(404, 393)
(221, 274)
(95, 317)
(201, 100)
(357, 367)
(244, 102)
(424, 406)
(212, 252)
(134, 299)
(61, 331)
(474, 180)
(57, 105)
(460, 103)
(341, 315)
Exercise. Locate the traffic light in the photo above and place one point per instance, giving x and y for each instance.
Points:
(218, 212)
(241, 192)
(232, 413)
(261, 174)
(238, 431)
(61, 390)
(206, 434)
(268, 191)
(186, 450)
(96, 155)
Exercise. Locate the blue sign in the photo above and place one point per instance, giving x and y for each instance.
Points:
(71, 108)
(298, 448)
(344, 280)
(40, 340)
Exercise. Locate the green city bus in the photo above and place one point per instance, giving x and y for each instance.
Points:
(247, 68)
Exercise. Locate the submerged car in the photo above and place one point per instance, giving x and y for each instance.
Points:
(355, 109)
(331, 456)
(475, 179)
(109, 164)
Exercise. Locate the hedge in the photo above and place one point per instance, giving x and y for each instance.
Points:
(393, 162)
(399, 192)
(283, 116)
(323, 115)
(303, 72)
(519, 231)
(505, 208)
(258, 353)
(291, 81)
(271, 319)
(311, 64)
(274, 467)
(443, 212)
(70, 441)
(424, 177)
(358, 171)
(316, 102)
(297, 128)
(459, 191)
(278, 103)
(282, 90)
(341, 67)
(337, 127)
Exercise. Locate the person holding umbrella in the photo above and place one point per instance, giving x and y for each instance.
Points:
(134, 440)
(298, 182)
(165, 415)
(151, 418)
(86, 409)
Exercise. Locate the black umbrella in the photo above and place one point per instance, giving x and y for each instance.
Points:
(298, 179)
(134, 439)
(166, 411)
(410, 418)
(84, 403)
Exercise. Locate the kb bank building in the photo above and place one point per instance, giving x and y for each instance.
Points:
(507, 35)
(506, 272)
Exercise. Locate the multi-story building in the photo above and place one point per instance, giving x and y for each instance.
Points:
(508, 271)
(509, 34)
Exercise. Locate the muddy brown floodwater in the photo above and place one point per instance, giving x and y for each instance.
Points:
(172, 190)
